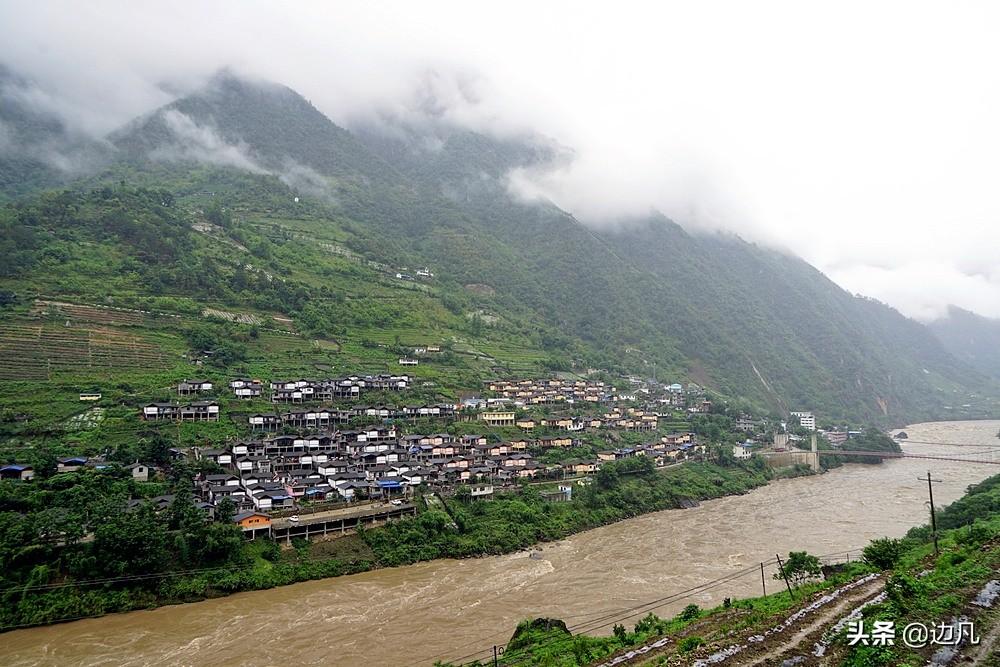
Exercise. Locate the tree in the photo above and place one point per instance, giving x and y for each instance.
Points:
(130, 542)
(690, 612)
(800, 567)
(463, 493)
(191, 538)
(225, 511)
(217, 215)
(883, 553)
(44, 462)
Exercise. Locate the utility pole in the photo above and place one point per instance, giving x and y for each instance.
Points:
(763, 585)
(930, 494)
(781, 568)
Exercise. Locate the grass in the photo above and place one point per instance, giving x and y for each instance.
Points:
(921, 587)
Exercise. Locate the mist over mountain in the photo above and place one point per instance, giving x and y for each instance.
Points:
(645, 295)
(37, 148)
(745, 318)
(972, 338)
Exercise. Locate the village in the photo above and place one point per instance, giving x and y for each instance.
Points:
(321, 456)
(320, 460)
(319, 448)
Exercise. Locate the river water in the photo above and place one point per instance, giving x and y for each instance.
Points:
(449, 609)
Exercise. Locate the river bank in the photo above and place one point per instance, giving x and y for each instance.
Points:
(455, 529)
(897, 581)
(374, 617)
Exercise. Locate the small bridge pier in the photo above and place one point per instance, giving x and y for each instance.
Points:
(793, 457)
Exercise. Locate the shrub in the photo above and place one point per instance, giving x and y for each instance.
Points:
(883, 553)
(689, 644)
(690, 612)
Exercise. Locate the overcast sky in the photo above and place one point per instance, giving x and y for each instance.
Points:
(864, 137)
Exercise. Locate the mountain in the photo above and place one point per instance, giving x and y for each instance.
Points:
(516, 278)
(257, 125)
(747, 320)
(37, 149)
(970, 337)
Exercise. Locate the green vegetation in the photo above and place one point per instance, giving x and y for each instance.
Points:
(48, 565)
(872, 441)
(620, 490)
(926, 588)
(799, 568)
(970, 337)
(147, 272)
(319, 235)
(920, 587)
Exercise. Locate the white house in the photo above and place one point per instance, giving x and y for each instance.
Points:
(806, 420)
(741, 452)
(140, 472)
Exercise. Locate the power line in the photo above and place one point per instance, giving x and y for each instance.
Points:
(905, 455)
(714, 584)
(609, 616)
(614, 615)
(948, 444)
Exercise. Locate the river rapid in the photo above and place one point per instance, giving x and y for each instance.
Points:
(450, 609)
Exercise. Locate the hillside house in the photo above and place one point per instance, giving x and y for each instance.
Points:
(253, 524)
(188, 387)
(200, 411)
(197, 411)
(836, 437)
(246, 388)
(70, 463)
(17, 471)
(519, 445)
(268, 421)
(139, 471)
(498, 418)
(481, 491)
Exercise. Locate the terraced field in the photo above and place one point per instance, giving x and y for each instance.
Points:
(288, 355)
(85, 313)
(517, 359)
(37, 351)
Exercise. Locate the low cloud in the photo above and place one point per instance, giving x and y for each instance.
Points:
(54, 144)
(201, 143)
(924, 290)
(306, 180)
(869, 161)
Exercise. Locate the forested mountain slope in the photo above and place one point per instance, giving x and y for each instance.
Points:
(971, 338)
(746, 321)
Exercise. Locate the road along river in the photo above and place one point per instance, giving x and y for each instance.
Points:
(449, 609)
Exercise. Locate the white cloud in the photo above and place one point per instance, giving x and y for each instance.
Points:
(862, 136)
(201, 143)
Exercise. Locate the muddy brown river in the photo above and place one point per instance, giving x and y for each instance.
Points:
(458, 609)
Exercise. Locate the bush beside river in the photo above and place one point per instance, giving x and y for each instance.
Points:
(170, 558)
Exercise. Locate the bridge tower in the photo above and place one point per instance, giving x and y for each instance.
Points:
(814, 455)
